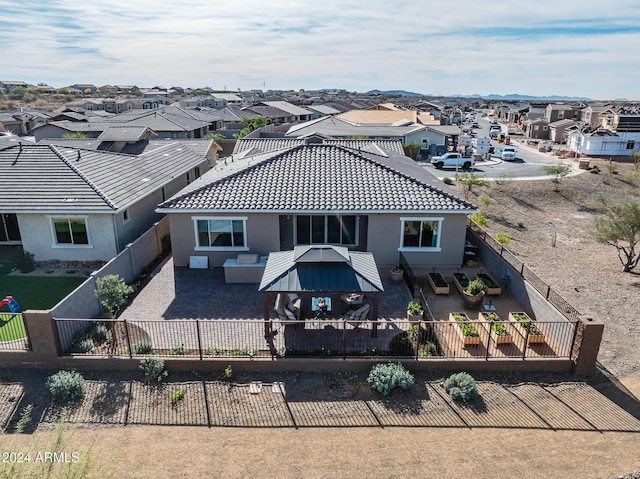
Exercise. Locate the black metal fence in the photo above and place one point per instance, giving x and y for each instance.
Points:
(13, 334)
(316, 338)
(561, 304)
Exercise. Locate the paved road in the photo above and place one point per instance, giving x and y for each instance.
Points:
(529, 164)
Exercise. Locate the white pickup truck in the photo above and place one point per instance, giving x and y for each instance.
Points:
(452, 160)
(506, 153)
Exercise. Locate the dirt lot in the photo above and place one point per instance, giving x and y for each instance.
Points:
(588, 274)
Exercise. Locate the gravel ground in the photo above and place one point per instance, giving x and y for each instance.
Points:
(588, 274)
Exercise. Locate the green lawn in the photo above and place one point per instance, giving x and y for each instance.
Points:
(37, 292)
(11, 328)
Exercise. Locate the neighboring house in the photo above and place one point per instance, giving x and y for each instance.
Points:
(381, 202)
(83, 87)
(558, 130)
(617, 135)
(592, 114)
(276, 115)
(558, 111)
(335, 127)
(321, 110)
(537, 129)
(388, 117)
(9, 86)
(63, 203)
(296, 113)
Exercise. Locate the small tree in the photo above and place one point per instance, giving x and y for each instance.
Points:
(620, 228)
(217, 137)
(557, 172)
(412, 149)
(76, 135)
(469, 180)
(112, 292)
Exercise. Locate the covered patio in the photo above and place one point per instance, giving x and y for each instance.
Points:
(320, 282)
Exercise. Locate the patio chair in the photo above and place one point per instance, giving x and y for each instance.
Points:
(355, 316)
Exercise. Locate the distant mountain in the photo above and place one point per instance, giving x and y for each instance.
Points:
(493, 96)
(395, 92)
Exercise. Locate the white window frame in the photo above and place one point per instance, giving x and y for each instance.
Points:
(54, 239)
(356, 239)
(422, 249)
(220, 218)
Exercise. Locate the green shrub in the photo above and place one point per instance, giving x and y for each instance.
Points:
(386, 376)
(415, 308)
(84, 345)
(66, 385)
(177, 350)
(480, 219)
(23, 260)
(178, 396)
(99, 332)
(428, 349)
(461, 387)
(153, 370)
(213, 351)
(447, 180)
(475, 287)
(142, 347)
(504, 238)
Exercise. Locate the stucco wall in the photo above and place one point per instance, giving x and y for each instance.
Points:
(384, 241)
(262, 237)
(37, 238)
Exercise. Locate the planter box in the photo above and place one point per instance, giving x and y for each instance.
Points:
(438, 283)
(466, 340)
(397, 275)
(461, 281)
(490, 318)
(491, 285)
(535, 334)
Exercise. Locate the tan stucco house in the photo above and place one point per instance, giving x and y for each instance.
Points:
(361, 196)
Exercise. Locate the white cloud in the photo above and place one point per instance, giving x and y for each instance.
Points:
(538, 48)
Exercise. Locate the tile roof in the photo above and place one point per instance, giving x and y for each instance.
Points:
(288, 107)
(51, 178)
(125, 133)
(267, 145)
(317, 178)
(339, 128)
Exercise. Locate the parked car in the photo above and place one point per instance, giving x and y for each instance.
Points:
(506, 153)
(494, 131)
(449, 160)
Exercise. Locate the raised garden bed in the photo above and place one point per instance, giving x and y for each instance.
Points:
(497, 328)
(461, 281)
(491, 286)
(466, 330)
(438, 283)
(522, 322)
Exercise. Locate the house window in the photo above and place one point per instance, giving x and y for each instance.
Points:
(631, 144)
(188, 178)
(70, 231)
(561, 115)
(9, 230)
(326, 229)
(125, 216)
(220, 233)
(164, 194)
(536, 127)
(196, 172)
(420, 234)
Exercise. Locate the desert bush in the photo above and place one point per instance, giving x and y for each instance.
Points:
(461, 387)
(479, 219)
(142, 347)
(178, 396)
(153, 370)
(386, 376)
(447, 180)
(84, 345)
(23, 260)
(99, 332)
(66, 385)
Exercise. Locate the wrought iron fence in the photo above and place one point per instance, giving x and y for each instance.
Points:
(13, 334)
(540, 285)
(329, 337)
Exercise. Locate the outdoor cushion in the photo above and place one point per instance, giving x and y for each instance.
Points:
(290, 315)
(247, 258)
(293, 296)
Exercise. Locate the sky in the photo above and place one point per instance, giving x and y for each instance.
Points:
(561, 47)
